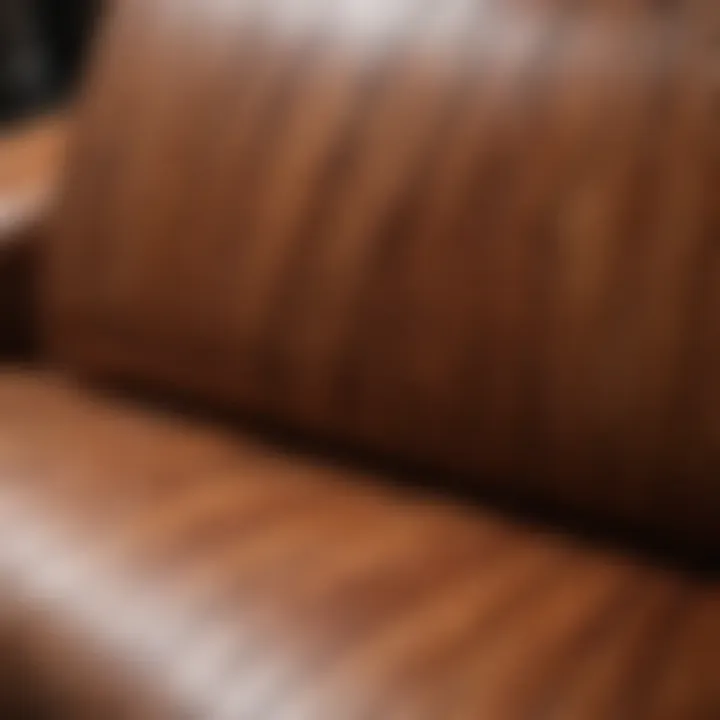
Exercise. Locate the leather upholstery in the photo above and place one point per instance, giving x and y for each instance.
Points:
(476, 234)
(170, 569)
(473, 233)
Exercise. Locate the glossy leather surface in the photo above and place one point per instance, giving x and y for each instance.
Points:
(161, 568)
(477, 233)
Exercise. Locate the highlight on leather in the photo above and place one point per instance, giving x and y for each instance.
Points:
(476, 233)
(166, 570)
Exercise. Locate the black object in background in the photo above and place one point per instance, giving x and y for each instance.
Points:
(25, 63)
(42, 49)
(67, 26)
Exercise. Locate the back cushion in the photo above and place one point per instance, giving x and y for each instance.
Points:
(481, 234)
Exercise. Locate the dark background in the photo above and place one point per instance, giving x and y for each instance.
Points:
(43, 44)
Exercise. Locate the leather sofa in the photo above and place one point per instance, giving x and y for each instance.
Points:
(378, 369)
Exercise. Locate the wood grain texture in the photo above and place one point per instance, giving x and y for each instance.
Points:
(477, 233)
(166, 569)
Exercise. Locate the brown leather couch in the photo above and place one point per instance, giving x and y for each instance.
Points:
(379, 371)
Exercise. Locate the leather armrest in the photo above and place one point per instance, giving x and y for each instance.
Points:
(30, 163)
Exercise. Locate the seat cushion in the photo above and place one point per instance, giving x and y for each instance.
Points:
(154, 566)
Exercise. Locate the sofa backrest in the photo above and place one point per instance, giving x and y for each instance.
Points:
(479, 234)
